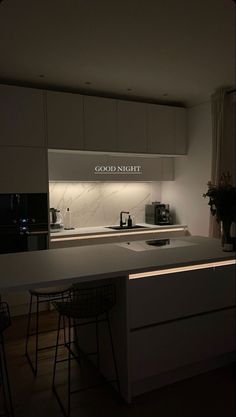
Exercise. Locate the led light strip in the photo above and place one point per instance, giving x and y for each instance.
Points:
(183, 269)
(140, 232)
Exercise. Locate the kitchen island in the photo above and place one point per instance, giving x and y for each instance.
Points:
(176, 303)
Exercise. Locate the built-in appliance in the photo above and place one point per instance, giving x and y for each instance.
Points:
(158, 213)
(55, 219)
(23, 222)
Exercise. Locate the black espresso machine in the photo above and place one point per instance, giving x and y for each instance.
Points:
(158, 213)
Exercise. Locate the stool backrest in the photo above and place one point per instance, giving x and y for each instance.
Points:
(93, 300)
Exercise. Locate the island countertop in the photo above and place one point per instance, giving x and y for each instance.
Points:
(64, 266)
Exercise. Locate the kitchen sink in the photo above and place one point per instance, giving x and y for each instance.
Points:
(136, 226)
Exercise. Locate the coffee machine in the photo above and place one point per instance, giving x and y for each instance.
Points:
(158, 213)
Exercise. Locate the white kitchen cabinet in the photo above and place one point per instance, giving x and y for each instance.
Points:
(64, 120)
(21, 117)
(100, 124)
(161, 129)
(23, 170)
(157, 299)
(166, 127)
(131, 127)
(180, 131)
(161, 349)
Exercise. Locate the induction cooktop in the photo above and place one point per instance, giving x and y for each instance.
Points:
(155, 244)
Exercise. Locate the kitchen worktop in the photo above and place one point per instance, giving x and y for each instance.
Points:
(63, 266)
(97, 230)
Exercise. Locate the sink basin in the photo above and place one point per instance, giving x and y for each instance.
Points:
(136, 226)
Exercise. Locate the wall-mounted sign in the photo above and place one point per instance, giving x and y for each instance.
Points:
(118, 169)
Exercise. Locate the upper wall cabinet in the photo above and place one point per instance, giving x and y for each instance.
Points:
(131, 127)
(180, 131)
(64, 120)
(23, 169)
(166, 126)
(100, 124)
(21, 117)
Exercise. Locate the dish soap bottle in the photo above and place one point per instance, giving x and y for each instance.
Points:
(129, 223)
(67, 220)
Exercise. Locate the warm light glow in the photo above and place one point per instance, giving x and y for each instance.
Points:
(116, 234)
(183, 269)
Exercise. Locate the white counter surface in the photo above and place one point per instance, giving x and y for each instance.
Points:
(97, 230)
(64, 266)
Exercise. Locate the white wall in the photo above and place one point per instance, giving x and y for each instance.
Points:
(99, 203)
(192, 173)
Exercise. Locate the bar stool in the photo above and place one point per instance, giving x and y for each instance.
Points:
(5, 322)
(42, 295)
(93, 304)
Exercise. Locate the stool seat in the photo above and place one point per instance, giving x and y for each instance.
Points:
(49, 291)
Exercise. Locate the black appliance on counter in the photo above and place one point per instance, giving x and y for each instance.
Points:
(23, 222)
(158, 213)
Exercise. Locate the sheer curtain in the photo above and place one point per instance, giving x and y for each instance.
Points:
(218, 115)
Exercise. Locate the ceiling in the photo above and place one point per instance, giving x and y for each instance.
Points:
(161, 50)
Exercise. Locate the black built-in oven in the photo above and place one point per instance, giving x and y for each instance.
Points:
(23, 222)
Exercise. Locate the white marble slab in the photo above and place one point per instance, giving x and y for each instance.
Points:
(99, 204)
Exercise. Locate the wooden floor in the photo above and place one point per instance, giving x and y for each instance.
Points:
(212, 394)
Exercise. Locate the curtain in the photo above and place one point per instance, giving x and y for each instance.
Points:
(217, 111)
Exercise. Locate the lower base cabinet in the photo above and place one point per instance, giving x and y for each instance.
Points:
(164, 348)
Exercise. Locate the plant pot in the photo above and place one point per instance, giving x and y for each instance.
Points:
(226, 240)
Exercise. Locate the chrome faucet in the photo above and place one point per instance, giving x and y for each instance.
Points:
(121, 220)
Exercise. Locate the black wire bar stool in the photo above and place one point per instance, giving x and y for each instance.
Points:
(5, 389)
(93, 304)
(42, 295)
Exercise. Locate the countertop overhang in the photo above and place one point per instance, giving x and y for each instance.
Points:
(26, 270)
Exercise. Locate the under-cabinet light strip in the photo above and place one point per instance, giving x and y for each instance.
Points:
(183, 269)
(175, 229)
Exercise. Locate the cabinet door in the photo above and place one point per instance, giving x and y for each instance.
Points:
(64, 120)
(21, 117)
(180, 131)
(159, 349)
(23, 170)
(100, 124)
(161, 129)
(132, 127)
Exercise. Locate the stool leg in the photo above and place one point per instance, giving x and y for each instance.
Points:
(113, 352)
(3, 370)
(69, 367)
(97, 342)
(28, 325)
(28, 335)
(37, 337)
(64, 322)
(56, 351)
(2, 380)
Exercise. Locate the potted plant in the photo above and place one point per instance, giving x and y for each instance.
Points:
(222, 202)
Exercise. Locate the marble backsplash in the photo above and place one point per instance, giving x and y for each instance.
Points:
(99, 203)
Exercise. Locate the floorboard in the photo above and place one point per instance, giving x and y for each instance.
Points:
(209, 395)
